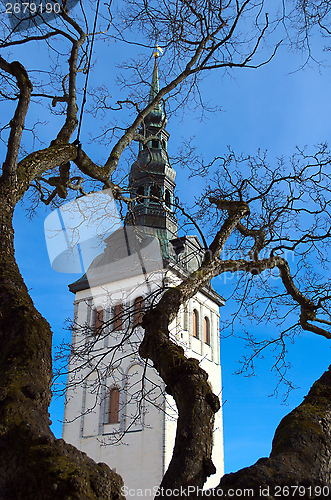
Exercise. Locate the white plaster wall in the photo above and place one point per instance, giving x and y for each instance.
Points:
(146, 449)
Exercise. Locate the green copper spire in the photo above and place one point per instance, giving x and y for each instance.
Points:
(155, 87)
(156, 113)
(152, 179)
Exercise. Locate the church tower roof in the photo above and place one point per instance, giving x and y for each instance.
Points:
(156, 115)
(155, 87)
(152, 179)
(152, 184)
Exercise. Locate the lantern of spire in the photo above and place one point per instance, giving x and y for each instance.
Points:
(152, 179)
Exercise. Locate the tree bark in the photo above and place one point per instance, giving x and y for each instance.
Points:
(33, 464)
(187, 382)
(299, 465)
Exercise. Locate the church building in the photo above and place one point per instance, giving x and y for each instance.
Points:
(117, 410)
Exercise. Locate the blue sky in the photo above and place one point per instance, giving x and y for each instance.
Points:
(274, 108)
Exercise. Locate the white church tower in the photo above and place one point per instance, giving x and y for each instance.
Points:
(116, 408)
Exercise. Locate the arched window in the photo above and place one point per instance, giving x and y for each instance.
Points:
(112, 407)
(155, 143)
(195, 324)
(118, 317)
(167, 198)
(138, 311)
(98, 320)
(207, 330)
(140, 194)
(155, 192)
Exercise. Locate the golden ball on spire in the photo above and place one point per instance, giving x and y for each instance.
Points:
(158, 51)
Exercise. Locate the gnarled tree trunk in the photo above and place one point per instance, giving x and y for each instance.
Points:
(33, 464)
(299, 465)
(187, 382)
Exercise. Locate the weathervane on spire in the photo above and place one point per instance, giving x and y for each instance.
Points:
(158, 51)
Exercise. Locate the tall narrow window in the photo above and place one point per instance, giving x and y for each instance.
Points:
(167, 198)
(207, 330)
(155, 143)
(98, 320)
(138, 311)
(140, 194)
(195, 324)
(155, 193)
(118, 317)
(112, 407)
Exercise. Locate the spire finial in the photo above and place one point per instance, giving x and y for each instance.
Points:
(155, 80)
(158, 51)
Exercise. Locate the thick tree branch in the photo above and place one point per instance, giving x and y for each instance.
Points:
(35, 164)
(88, 167)
(307, 315)
(71, 118)
(191, 462)
(17, 122)
(236, 210)
(259, 239)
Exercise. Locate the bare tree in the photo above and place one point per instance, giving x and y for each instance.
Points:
(197, 37)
